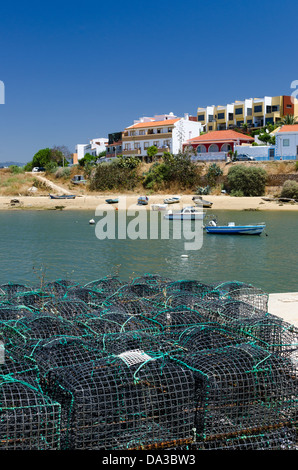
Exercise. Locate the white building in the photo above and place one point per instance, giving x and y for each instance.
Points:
(286, 143)
(166, 132)
(95, 147)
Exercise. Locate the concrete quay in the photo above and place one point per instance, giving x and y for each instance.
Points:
(284, 305)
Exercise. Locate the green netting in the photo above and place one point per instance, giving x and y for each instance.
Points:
(148, 364)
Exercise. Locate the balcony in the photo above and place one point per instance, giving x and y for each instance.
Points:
(133, 138)
(131, 152)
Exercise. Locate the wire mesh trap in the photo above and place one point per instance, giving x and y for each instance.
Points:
(150, 363)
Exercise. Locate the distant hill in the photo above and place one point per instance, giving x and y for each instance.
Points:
(4, 164)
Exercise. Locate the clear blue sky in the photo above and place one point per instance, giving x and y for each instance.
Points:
(74, 71)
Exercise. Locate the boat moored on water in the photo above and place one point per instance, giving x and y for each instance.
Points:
(232, 229)
(188, 213)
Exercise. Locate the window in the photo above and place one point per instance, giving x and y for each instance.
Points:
(249, 121)
(275, 108)
(239, 111)
(127, 147)
(136, 145)
(286, 142)
(142, 132)
(201, 117)
(146, 145)
(231, 116)
(210, 128)
(221, 116)
(258, 108)
(156, 143)
(249, 111)
(289, 106)
(268, 109)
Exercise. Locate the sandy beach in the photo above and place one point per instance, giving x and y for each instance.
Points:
(91, 202)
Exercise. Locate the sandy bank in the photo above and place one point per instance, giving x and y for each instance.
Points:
(88, 202)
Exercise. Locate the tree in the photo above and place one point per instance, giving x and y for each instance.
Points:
(289, 119)
(152, 151)
(213, 173)
(88, 159)
(249, 181)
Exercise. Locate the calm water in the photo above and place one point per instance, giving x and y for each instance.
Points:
(64, 245)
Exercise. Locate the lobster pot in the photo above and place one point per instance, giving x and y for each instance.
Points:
(240, 389)
(128, 401)
(69, 310)
(28, 419)
(243, 292)
(283, 438)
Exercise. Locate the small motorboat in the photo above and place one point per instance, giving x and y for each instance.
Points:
(188, 213)
(159, 207)
(172, 200)
(232, 229)
(91, 221)
(112, 201)
(63, 196)
(199, 201)
(143, 200)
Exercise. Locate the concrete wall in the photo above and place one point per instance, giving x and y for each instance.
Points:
(259, 152)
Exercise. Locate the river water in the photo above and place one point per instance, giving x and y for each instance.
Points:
(63, 245)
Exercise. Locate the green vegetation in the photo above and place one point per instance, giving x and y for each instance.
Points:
(49, 158)
(289, 119)
(116, 175)
(290, 189)
(173, 170)
(250, 181)
(213, 173)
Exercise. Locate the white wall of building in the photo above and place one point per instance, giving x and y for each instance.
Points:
(259, 152)
(95, 147)
(184, 130)
(286, 145)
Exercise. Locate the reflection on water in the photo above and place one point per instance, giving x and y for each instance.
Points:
(65, 245)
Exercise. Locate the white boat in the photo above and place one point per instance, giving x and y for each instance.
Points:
(188, 213)
(199, 201)
(172, 200)
(159, 207)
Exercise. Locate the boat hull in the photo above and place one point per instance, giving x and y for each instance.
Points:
(62, 197)
(184, 216)
(237, 230)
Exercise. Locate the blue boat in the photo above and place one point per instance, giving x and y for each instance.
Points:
(112, 201)
(232, 229)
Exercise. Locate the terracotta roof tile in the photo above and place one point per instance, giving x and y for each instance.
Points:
(166, 122)
(289, 128)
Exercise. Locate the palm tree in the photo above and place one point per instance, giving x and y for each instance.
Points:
(289, 119)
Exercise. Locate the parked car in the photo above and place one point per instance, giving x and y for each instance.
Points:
(244, 158)
(36, 169)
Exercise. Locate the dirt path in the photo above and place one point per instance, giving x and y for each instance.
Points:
(55, 187)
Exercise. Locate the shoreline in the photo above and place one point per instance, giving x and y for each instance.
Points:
(88, 202)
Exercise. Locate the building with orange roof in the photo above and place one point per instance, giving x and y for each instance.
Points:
(215, 145)
(166, 132)
(286, 143)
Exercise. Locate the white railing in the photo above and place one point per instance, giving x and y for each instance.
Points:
(210, 156)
